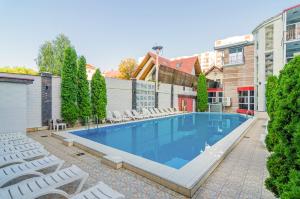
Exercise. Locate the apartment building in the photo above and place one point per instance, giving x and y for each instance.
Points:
(209, 59)
(238, 74)
(276, 41)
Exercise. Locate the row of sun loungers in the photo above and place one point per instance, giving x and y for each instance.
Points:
(128, 115)
(28, 171)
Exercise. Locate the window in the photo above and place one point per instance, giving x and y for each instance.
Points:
(268, 64)
(246, 98)
(178, 65)
(215, 97)
(269, 37)
(236, 55)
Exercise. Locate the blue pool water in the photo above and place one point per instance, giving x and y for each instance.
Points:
(172, 141)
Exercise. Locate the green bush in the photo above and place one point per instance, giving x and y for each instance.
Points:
(202, 96)
(284, 161)
(69, 87)
(98, 95)
(83, 97)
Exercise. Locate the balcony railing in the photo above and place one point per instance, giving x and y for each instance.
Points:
(213, 84)
(293, 32)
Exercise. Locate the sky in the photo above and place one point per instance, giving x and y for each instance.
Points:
(106, 32)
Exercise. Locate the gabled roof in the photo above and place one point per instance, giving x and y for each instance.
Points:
(212, 68)
(186, 64)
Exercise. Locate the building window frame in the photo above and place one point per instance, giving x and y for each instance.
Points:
(246, 102)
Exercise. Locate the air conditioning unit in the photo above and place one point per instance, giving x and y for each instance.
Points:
(226, 101)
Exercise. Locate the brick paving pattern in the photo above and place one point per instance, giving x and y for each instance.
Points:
(241, 175)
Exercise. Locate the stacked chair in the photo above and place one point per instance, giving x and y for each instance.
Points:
(28, 171)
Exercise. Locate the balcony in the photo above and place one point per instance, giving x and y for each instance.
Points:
(293, 32)
(214, 84)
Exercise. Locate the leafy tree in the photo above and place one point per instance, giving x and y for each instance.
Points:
(51, 54)
(98, 95)
(127, 67)
(83, 97)
(69, 87)
(18, 70)
(202, 96)
(45, 60)
(284, 162)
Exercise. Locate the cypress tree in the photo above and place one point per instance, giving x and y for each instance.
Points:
(98, 95)
(69, 87)
(83, 97)
(202, 96)
(284, 162)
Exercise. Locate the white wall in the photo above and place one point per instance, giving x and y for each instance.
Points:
(56, 81)
(119, 94)
(259, 52)
(13, 111)
(34, 110)
(164, 96)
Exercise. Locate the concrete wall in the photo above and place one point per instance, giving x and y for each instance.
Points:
(56, 81)
(119, 94)
(34, 113)
(180, 90)
(164, 96)
(13, 107)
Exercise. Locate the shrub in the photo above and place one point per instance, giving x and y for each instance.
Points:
(69, 87)
(83, 96)
(202, 96)
(284, 162)
(18, 70)
(98, 95)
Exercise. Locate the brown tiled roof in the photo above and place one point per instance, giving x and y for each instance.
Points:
(212, 68)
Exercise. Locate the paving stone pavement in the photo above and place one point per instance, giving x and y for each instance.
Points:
(240, 175)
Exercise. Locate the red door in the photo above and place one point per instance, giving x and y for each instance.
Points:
(185, 103)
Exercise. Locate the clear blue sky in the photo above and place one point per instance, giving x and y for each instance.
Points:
(107, 31)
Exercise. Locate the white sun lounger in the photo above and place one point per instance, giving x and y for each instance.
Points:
(111, 119)
(138, 115)
(118, 116)
(16, 142)
(12, 136)
(147, 113)
(20, 157)
(129, 114)
(47, 185)
(20, 148)
(101, 191)
(18, 172)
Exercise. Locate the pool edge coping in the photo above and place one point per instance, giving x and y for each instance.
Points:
(185, 180)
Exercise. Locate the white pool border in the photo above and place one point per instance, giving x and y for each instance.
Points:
(185, 180)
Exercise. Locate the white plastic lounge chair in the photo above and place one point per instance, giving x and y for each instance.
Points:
(47, 185)
(18, 172)
(155, 110)
(162, 111)
(110, 118)
(100, 191)
(146, 113)
(139, 116)
(20, 157)
(168, 111)
(153, 113)
(128, 114)
(7, 143)
(20, 148)
(12, 136)
(118, 116)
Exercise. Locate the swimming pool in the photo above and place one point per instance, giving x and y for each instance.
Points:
(172, 141)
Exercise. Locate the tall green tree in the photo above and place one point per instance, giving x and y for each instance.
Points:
(51, 54)
(284, 162)
(83, 97)
(202, 96)
(98, 95)
(69, 108)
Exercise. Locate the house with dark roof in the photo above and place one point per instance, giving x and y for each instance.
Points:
(181, 71)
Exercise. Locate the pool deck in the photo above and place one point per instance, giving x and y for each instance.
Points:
(240, 175)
